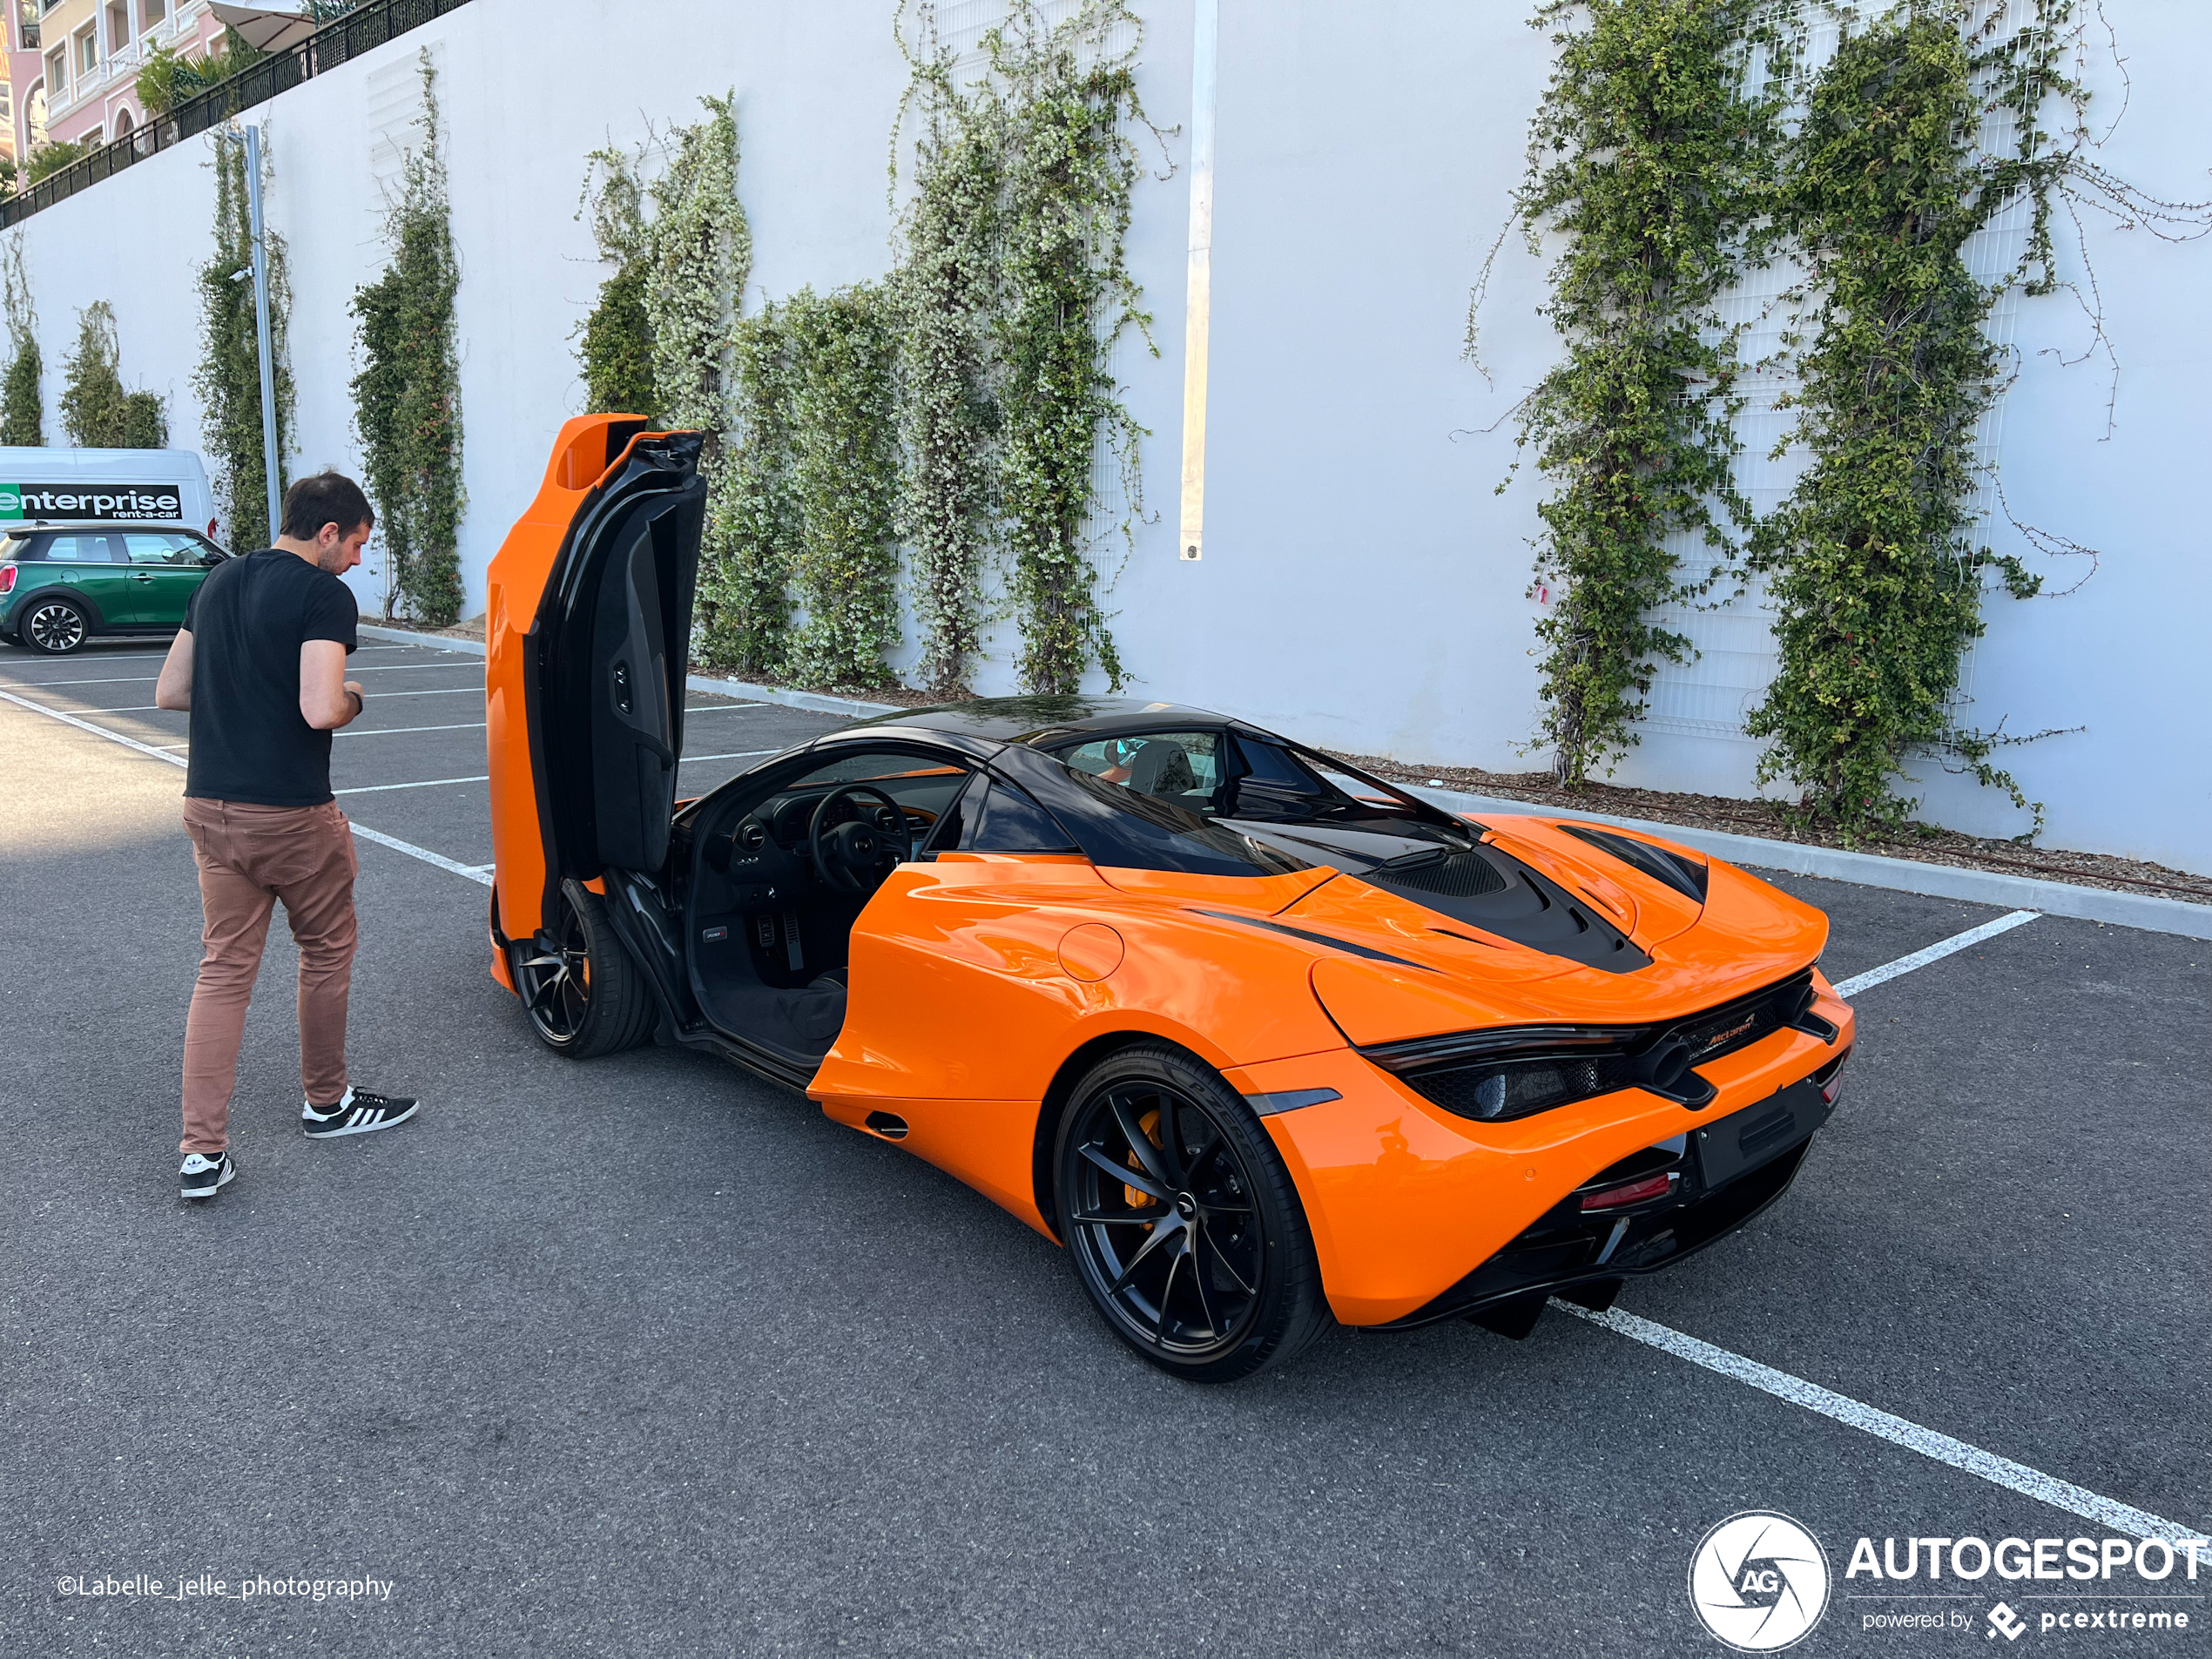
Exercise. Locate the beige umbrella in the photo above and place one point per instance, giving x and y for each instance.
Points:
(267, 31)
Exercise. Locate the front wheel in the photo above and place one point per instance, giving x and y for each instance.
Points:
(1181, 1220)
(585, 996)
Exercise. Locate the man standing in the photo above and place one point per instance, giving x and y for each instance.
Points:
(261, 663)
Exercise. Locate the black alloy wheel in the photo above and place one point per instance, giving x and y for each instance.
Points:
(53, 626)
(1180, 1219)
(583, 993)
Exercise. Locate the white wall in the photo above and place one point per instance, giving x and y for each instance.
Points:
(1363, 584)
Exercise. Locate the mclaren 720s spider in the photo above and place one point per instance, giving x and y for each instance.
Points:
(1259, 1040)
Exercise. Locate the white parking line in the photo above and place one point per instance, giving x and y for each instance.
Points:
(711, 708)
(1999, 1470)
(428, 783)
(1935, 953)
(478, 874)
(747, 755)
(152, 708)
(377, 836)
(148, 679)
(394, 730)
(97, 731)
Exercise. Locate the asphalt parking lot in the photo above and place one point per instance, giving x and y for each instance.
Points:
(645, 1356)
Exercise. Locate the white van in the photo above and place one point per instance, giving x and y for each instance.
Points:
(104, 487)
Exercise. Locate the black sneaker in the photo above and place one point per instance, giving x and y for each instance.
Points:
(357, 1114)
(201, 1175)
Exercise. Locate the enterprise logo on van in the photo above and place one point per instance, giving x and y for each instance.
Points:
(105, 502)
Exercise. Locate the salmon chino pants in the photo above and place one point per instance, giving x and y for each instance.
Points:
(249, 858)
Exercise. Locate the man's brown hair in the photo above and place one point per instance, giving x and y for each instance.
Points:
(325, 497)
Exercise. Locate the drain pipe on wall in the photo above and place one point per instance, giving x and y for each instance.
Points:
(272, 463)
(1205, 38)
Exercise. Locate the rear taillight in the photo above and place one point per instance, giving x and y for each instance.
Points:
(211, 529)
(1828, 1080)
(1651, 1186)
(7, 578)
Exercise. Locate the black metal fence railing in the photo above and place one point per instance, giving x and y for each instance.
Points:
(360, 31)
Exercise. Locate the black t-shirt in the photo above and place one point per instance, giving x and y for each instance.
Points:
(247, 622)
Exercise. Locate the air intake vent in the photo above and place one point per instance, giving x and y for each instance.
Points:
(1459, 875)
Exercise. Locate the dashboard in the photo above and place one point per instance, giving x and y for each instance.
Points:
(761, 854)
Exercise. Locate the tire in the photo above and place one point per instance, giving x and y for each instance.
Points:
(586, 996)
(1200, 1258)
(53, 627)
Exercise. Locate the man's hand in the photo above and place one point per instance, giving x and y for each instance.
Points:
(174, 689)
(327, 699)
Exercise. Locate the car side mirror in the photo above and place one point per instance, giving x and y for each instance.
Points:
(212, 558)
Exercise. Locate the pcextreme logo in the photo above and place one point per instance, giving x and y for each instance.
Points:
(1759, 1582)
(108, 502)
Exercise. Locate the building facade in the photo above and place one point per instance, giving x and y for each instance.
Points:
(88, 55)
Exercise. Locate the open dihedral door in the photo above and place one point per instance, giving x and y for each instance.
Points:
(601, 669)
(615, 630)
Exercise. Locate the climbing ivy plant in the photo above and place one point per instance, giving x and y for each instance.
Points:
(758, 511)
(614, 343)
(228, 379)
(1873, 564)
(97, 412)
(407, 397)
(945, 294)
(844, 482)
(1649, 160)
(23, 398)
(1060, 103)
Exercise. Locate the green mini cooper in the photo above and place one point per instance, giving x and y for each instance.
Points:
(61, 584)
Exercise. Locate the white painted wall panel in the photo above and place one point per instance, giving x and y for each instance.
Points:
(1363, 583)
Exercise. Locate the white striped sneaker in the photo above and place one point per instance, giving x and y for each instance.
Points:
(202, 1175)
(357, 1114)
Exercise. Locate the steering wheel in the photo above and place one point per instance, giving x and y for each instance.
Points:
(843, 855)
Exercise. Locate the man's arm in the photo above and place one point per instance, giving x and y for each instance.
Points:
(174, 689)
(328, 698)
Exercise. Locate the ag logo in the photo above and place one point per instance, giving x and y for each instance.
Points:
(1759, 1582)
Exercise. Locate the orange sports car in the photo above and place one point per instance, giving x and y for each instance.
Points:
(1258, 1040)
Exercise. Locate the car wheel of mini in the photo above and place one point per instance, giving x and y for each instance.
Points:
(1180, 1220)
(53, 626)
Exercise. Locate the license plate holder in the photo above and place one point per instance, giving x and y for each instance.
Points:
(1758, 1133)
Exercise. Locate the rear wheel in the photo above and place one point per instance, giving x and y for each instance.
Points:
(585, 995)
(55, 626)
(1180, 1218)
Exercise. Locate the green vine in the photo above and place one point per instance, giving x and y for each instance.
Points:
(1069, 168)
(697, 256)
(97, 412)
(946, 291)
(614, 343)
(407, 397)
(23, 398)
(1649, 157)
(1872, 564)
(844, 480)
(228, 379)
(756, 515)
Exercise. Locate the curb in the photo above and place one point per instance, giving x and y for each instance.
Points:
(1875, 870)
(816, 702)
(1866, 869)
